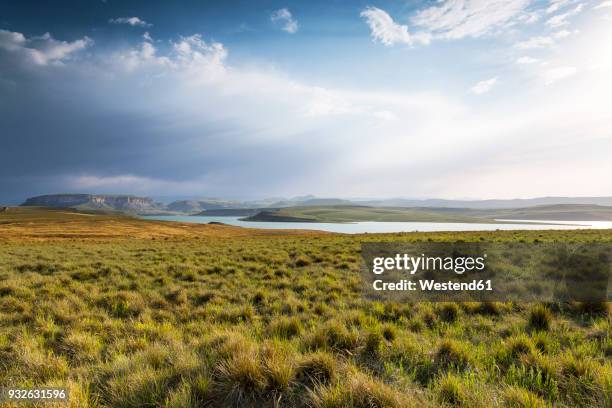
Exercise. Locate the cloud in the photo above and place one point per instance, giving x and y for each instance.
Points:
(483, 87)
(552, 75)
(283, 16)
(561, 19)
(386, 31)
(40, 50)
(455, 19)
(555, 5)
(185, 119)
(562, 34)
(535, 42)
(526, 60)
(133, 21)
(191, 55)
(603, 4)
(544, 41)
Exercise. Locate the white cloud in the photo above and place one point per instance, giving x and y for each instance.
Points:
(550, 76)
(535, 42)
(386, 31)
(191, 55)
(603, 4)
(483, 87)
(133, 21)
(455, 19)
(285, 17)
(220, 125)
(41, 50)
(562, 34)
(555, 5)
(12, 41)
(526, 60)
(561, 19)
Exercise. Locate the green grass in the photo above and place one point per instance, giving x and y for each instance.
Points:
(187, 316)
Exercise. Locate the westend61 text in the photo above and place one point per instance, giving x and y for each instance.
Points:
(431, 285)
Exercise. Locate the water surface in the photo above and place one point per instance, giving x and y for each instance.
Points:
(371, 226)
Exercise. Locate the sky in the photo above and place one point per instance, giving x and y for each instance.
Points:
(243, 99)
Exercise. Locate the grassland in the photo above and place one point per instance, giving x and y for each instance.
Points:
(132, 313)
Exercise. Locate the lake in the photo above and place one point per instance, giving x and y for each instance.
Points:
(372, 227)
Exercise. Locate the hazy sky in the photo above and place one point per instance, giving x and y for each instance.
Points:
(453, 99)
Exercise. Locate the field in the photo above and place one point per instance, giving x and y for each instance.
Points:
(132, 313)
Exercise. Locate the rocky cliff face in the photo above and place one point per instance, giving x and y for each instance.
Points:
(93, 201)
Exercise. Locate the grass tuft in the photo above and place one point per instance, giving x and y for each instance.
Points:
(540, 318)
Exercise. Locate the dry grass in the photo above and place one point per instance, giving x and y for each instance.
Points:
(134, 313)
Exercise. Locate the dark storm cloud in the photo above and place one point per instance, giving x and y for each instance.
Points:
(69, 120)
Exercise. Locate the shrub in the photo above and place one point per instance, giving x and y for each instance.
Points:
(451, 354)
(429, 318)
(533, 379)
(335, 336)
(515, 347)
(448, 312)
(181, 397)
(240, 379)
(82, 346)
(516, 397)
(359, 391)
(286, 327)
(138, 388)
(278, 368)
(449, 390)
(317, 368)
(594, 308)
(488, 308)
(373, 343)
(124, 304)
(302, 261)
(389, 332)
(540, 318)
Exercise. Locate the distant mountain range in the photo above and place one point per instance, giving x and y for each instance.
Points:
(563, 208)
(97, 202)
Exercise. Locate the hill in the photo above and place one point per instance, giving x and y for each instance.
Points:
(96, 202)
(560, 212)
(352, 213)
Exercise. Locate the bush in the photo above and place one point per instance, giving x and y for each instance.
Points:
(302, 261)
(448, 312)
(389, 332)
(540, 318)
(334, 336)
(359, 391)
(286, 327)
(240, 379)
(317, 368)
(373, 343)
(594, 308)
(516, 397)
(517, 346)
(451, 354)
(488, 308)
(278, 367)
(449, 390)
